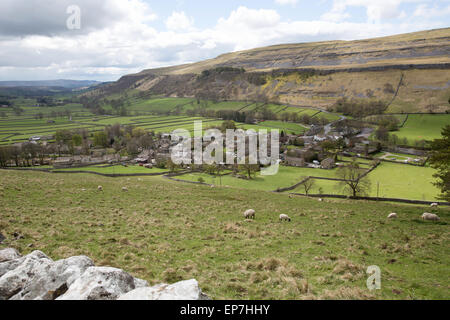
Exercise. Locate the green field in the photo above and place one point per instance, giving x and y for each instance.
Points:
(286, 177)
(166, 231)
(395, 181)
(145, 113)
(119, 169)
(423, 127)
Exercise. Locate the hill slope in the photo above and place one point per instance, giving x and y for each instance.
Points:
(408, 72)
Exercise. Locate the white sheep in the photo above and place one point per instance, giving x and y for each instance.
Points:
(320, 200)
(393, 216)
(434, 205)
(249, 214)
(284, 217)
(125, 189)
(430, 217)
(100, 188)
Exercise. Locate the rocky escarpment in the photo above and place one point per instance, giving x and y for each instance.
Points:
(312, 74)
(37, 277)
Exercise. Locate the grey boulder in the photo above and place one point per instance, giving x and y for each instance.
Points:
(100, 283)
(184, 290)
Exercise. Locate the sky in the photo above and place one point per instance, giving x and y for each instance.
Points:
(106, 39)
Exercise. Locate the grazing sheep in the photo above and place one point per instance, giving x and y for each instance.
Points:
(125, 189)
(100, 188)
(320, 200)
(393, 216)
(430, 217)
(284, 217)
(249, 214)
(434, 205)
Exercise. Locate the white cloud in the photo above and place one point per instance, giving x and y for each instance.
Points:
(179, 21)
(424, 11)
(130, 43)
(287, 2)
(376, 11)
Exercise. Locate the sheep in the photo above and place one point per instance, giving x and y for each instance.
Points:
(320, 200)
(434, 205)
(284, 217)
(125, 189)
(430, 217)
(100, 188)
(393, 216)
(249, 214)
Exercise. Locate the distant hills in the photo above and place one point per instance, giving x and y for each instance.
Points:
(68, 84)
(408, 72)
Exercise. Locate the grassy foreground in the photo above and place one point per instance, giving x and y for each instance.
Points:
(167, 231)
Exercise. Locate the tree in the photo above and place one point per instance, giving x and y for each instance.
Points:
(307, 184)
(382, 134)
(352, 180)
(171, 166)
(101, 139)
(77, 140)
(5, 155)
(440, 160)
(248, 169)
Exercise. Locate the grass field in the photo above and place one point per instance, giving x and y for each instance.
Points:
(132, 169)
(286, 177)
(165, 231)
(423, 127)
(395, 181)
(144, 113)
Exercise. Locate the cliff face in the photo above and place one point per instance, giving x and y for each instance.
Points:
(409, 72)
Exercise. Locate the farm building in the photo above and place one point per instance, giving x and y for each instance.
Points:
(328, 163)
(295, 162)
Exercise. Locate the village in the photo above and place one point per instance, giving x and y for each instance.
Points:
(319, 147)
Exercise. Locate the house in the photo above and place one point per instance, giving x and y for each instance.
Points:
(328, 163)
(295, 162)
(320, 137)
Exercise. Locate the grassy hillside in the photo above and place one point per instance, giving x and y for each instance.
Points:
(407, 72)
(166, 231)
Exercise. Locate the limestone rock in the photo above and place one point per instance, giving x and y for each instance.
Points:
(9, 254)
(100, 283)
(52, 281)
(21, 272)
(184, 290)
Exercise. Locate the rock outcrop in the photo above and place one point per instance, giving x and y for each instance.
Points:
(37, 277)
(184, 290)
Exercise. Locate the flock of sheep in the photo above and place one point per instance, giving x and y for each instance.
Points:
(251, 214)
(426, 216)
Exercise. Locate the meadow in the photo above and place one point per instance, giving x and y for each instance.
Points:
(165, 231)
(423, 127)
(389, 180)
(144, 113)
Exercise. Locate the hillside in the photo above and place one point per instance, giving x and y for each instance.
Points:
(408, 72)
(166, 231)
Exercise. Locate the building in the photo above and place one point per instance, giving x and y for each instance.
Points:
(328, 163)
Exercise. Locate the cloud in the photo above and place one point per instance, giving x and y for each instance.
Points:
(376, 11)
(179, 21)
(287, 2)
(424, 11)
(47, 17)
(107, 48)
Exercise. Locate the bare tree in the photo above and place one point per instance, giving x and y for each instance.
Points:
(307, 184)
(353, 180)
